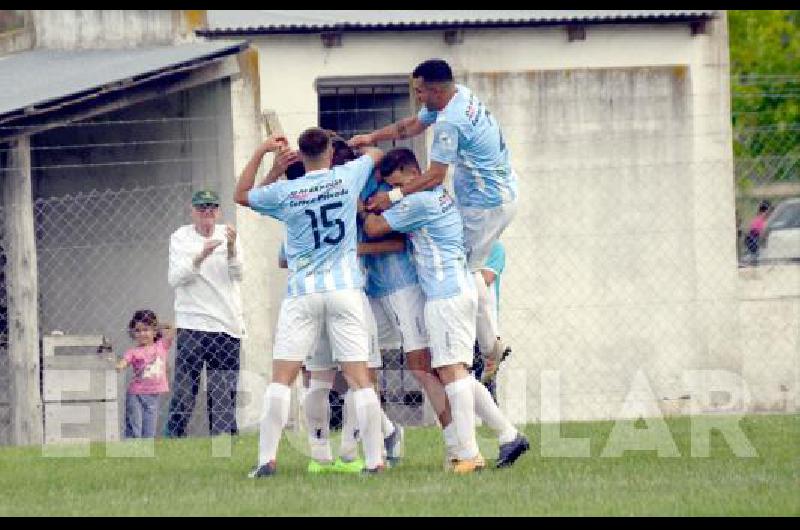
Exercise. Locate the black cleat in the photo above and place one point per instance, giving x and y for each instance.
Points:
(511, 451)
(266, 470)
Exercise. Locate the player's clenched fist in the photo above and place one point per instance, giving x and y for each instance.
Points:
(274, 143)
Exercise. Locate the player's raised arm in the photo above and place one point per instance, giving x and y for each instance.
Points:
(248, 177)
(374, 153)
(400, 130)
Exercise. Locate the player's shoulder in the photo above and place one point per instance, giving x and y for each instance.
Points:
(425, 199)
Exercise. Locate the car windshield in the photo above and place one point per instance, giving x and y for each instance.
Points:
(786, 217)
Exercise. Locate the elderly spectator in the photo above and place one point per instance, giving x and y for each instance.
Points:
(205, 268)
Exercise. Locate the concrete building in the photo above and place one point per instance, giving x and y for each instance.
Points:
(622, 258)
(108, 121)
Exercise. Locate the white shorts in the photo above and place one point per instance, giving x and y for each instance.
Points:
(482, 227)
(322, 357)
(342, 313)
(406, 307)
(388, 332)
(451, 326)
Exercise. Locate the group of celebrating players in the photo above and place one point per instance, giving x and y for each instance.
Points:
(379, 252)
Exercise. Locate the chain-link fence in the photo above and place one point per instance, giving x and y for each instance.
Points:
(621, 260)
(766, 149)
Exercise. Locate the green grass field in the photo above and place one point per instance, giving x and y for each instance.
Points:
(184, 479)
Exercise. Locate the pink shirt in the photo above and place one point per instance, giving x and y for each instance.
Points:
(149, 368)
(757, 225)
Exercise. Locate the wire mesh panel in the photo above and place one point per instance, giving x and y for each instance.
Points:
(621, 259)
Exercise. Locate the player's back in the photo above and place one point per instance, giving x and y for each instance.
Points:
(434, 224)
(319, 210)
(468, 135)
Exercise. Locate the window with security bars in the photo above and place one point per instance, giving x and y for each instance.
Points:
(352, 106)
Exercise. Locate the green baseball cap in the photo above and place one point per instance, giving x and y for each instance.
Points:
(204, 197)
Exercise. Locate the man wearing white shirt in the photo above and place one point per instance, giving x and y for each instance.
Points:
(206, 275)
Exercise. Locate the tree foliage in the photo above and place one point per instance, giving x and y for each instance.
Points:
(765, 90)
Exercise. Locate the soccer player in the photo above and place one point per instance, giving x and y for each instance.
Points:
(325, 283)
(435, 231)
(398, 302)
(322, 369)
(467, 135)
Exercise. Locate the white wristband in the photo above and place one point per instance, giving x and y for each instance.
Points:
(395, 195)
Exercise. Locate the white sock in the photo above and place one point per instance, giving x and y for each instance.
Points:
(486, 332)
(490, 413)
(462, 408)
(387, 427)
(317, 411)
(348, 450)
(450, 438)
(368, 412)
(273, 419)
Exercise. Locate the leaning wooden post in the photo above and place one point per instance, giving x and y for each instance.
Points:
(418, 143)
(23, 291)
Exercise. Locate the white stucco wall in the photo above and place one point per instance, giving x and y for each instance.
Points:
(622, 257)
(113, 28)
(769, 327)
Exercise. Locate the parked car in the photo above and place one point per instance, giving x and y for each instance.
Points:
(781, 238)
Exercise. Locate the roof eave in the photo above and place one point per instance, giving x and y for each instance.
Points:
(52, 105)
(421, 26)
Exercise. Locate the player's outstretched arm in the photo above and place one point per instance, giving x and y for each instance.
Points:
(405, 128)
(248, 177)
(393, 243)
(433, 177)
(376, 225)
(375, 153)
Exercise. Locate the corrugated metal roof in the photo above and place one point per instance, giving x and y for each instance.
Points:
(33, 78)
(287, 21)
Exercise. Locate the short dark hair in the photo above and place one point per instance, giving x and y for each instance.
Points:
(295, 170)
(398, 159)
(434, 71)
(342, 153)
(146, 317)
(764, 206)
(313, 142)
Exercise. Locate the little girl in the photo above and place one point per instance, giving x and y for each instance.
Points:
(149, 361)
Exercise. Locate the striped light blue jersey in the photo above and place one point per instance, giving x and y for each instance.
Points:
(434, 224)
(467, 134)
(319, 210)
(390, 272)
